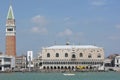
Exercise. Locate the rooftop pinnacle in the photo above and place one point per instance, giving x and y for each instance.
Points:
(10, 13)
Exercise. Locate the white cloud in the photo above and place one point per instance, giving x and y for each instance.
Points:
(39, 30)
(98, 2)
(39, 20)
(67, 32)
(39, 23)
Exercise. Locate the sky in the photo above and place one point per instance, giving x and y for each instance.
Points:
(42, 23)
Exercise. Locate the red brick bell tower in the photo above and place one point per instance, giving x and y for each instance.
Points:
(10, 33)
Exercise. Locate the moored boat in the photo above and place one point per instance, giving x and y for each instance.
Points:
(68, 74)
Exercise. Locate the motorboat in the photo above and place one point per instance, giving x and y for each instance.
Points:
(68, 74)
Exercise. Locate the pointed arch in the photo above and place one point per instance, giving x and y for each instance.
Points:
(66, 54)
(99, 55)
(73, 56)
(57, 54)
(81, 54)
(89, 55)
(48, 54)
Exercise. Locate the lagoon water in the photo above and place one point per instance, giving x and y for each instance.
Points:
(60, 76)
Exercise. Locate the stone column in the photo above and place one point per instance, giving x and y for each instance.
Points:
(3, 69)
(3, 64)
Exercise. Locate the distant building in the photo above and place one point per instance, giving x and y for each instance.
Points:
(108, 62)
(10, 33)
(29, 56)
(117, 61)
(20, 62)
(6, 63)
(71, 56)
(30, 59)
(112, 58)
(37, 62)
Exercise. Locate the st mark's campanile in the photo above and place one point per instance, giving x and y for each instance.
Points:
(10, 33)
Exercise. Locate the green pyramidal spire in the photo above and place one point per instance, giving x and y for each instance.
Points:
(10, 13)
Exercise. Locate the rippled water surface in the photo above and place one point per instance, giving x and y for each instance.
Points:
(60, 76)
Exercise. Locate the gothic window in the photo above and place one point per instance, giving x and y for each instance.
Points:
(73, 56)
(81, 54)
(57, 54)
(89, 56)
(48, 54)
(66, 54)
(99, 55)
(97, 51)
